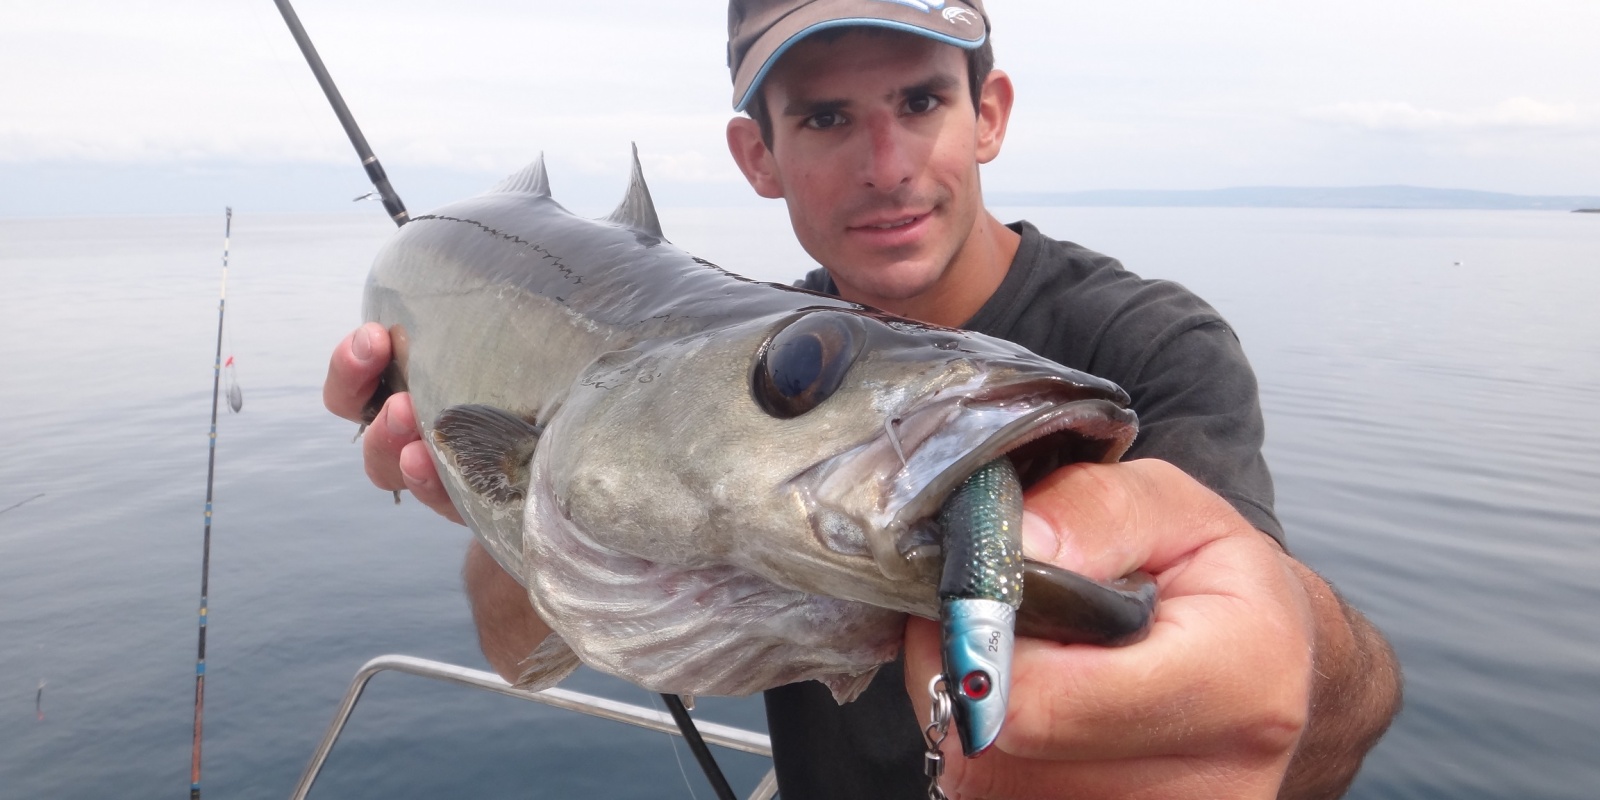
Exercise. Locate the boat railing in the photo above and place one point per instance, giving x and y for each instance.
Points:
(640, 716)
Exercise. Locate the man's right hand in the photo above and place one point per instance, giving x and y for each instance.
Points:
(508, 627)
(392, 447)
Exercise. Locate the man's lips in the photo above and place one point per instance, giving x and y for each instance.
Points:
(888, 222)
(891, 231)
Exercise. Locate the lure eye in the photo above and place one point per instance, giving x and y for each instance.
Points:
(976, 685)
(805, 362)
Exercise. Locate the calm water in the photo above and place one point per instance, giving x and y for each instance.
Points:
(1430, 382)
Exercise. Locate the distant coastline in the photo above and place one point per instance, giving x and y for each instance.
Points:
(1414, 197)
(1586, 210)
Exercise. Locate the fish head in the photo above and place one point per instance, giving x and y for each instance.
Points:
(941, 404)
(813, 446)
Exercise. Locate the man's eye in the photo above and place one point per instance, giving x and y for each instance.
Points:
(922, 104)
(825, 120)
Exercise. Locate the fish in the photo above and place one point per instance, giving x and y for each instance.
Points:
(711, 485)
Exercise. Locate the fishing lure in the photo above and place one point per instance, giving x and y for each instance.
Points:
(978, 595)
(981, 591)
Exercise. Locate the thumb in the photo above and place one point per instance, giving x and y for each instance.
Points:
(1043, 542)
(1108, 519)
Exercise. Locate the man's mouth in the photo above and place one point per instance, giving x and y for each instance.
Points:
(896, 224)
(892, 223)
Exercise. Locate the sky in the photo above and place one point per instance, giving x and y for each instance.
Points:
(177, 106)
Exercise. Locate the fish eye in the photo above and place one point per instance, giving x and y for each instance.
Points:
(805, 362)
(976, 685)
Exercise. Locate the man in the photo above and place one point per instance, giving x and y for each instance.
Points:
(870, 118)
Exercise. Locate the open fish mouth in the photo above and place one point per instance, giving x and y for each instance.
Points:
(893, 486)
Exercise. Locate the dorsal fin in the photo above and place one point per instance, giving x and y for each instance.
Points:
(529, 180)
(636, 210)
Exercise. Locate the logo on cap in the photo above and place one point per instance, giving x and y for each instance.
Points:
(960, 15)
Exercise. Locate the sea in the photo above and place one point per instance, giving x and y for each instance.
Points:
(1430, 380)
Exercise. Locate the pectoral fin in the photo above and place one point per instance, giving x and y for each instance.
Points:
(490, 448)
(547, 665)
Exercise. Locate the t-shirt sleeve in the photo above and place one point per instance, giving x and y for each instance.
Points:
(1179, 361)
(1199, 409)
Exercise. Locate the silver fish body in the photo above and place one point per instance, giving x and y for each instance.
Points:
(709, 485)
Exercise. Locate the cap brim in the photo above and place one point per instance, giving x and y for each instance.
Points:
(967, 30)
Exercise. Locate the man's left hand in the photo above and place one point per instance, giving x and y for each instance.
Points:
(1216, 702)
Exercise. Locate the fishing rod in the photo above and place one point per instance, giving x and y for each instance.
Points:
(205, 559)
(369, 162)
(397, 212)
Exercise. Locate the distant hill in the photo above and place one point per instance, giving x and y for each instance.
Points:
(1301, 197)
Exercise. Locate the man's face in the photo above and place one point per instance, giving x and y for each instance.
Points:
(875, 148)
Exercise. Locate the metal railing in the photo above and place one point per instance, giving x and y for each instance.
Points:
(640, 716)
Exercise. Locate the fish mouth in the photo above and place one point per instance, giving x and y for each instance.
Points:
(893, 485)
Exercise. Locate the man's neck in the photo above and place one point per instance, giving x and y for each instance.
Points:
(974, 274)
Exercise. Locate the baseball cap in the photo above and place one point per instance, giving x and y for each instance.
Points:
(759, 31)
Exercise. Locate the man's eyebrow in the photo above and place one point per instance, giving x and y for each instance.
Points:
(943, 83)
(938, 84)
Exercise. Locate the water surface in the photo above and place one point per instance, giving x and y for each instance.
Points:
(1429, 380)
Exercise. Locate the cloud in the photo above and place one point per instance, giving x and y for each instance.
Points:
(1402, 117)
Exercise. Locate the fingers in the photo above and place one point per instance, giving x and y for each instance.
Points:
(1227, 664)
(422, 478)
(396, 457)
(391, 447)
(1220, 671)
(354, 369)
(381, 444)
(1112, 518)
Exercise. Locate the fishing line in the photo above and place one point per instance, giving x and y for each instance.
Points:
(21, 503)
(697, 745)
(205, 558)
(272, 50)
(397, 212)
(678, 757)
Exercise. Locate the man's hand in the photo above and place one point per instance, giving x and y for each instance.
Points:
(392, 447)
(396, 458)
(1255, 677)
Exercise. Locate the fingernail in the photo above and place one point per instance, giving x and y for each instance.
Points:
(413, 457)
(361, 346)
(397, 425)
(1039, 539)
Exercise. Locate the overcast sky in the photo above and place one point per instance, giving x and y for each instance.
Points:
(103, 99)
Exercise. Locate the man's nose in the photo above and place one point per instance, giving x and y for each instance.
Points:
(889, 163)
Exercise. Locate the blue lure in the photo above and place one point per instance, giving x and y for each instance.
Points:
(979, 594)
(981, 610)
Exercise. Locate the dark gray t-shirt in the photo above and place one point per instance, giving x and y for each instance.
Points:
(1198, 408)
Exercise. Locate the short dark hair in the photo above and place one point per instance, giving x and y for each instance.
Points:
(980, 61)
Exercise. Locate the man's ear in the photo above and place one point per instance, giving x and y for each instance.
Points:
(994, 112)
(754, 157)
